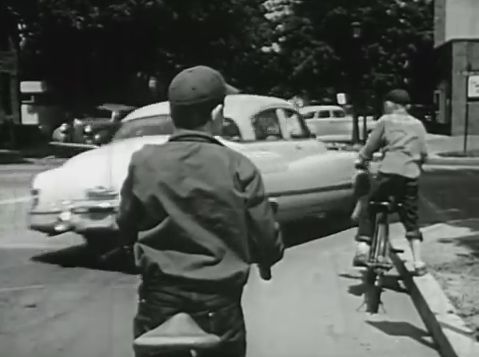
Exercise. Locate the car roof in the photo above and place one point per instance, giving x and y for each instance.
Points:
(236, 105)
(115, 106)
(310, 108)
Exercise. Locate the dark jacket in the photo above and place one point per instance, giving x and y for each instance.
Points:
(196, 209)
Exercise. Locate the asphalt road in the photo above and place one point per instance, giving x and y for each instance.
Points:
(55, 302)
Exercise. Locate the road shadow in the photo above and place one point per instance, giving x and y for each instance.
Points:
(309, 229)
(80, 256)
(390, 282)
(399, 329)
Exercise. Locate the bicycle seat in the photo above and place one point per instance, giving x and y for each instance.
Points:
(179, 333)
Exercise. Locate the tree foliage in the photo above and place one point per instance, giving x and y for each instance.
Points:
(100, 48)
(95, 50)
(394, 47)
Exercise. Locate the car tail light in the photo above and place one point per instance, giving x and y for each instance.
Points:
(35, 193)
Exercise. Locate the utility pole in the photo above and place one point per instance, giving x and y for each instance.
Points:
(356, 27)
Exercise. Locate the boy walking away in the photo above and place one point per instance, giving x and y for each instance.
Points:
(195, 208)
(403, 141)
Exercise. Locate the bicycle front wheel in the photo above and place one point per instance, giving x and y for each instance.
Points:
(374, 290)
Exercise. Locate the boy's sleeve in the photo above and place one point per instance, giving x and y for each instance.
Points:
(266, 242)
(129, 210)
(374, 141)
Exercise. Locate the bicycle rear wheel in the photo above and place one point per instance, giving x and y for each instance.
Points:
(374, 273)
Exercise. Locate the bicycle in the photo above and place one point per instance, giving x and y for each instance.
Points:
(378, 263)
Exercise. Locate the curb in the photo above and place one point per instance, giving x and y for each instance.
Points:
(435, 159)
(449, 331)
(10, 157)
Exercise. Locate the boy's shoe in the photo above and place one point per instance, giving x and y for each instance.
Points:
(362, 255)
(420, 269)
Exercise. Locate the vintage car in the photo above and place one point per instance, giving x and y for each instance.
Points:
(95, 127)
(305, 178)
(332, 123)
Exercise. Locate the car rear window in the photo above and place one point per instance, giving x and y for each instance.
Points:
(339, 114)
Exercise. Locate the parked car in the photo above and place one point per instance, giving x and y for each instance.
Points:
(96, 127)
(304, 177)
(332, 123)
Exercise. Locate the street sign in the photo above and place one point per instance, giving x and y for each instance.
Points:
(33, 87)
(341, 98)
(473, 87)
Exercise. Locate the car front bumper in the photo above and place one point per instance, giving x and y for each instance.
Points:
(81, 217)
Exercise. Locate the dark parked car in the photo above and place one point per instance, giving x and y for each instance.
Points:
(95, 127)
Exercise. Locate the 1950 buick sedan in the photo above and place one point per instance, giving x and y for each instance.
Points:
(304, 177)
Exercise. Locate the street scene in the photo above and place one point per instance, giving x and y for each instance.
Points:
(57, 301)
(239, 178)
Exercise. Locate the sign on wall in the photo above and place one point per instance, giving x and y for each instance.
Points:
(473, 87)
(341, 98)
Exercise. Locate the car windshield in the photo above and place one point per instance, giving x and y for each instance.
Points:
(146, 126)
(99, 113)
(163, 125)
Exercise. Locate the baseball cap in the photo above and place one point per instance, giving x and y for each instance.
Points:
(398, 96)
(198, 84)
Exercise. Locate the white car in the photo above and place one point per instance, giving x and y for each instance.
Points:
(331, 123)
(305, 178)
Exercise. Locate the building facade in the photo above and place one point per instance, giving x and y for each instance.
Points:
(9, 84)
(456, 40)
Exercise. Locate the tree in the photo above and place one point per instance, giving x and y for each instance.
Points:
(95, 50)
(395, 44)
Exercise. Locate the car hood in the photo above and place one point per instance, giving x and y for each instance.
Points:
(106, 167)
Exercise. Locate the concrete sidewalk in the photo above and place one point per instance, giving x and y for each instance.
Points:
(437, 144)
(312, 308)
(453, 337)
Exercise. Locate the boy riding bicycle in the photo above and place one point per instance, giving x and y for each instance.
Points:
(403, 141)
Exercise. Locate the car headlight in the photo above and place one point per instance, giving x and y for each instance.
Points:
(88, 129)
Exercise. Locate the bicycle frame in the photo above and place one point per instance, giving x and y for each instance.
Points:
(380, 244)
(377, 264)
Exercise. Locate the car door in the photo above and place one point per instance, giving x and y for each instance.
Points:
(274, 130)
(297, 134)
(268, 134)
(323, 123)
(343, 124)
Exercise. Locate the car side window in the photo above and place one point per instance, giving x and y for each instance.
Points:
(230, 130)
(339, 114)
(324, 114)
(295, 125)
(266, 126)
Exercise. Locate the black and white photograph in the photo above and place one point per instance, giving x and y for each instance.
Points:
(239, 178)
